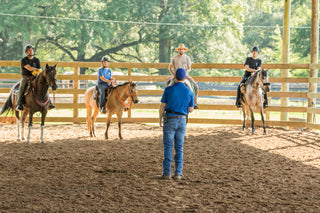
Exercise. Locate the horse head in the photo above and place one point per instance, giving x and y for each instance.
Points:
(264, 80)
(133, 92)
(50, 74)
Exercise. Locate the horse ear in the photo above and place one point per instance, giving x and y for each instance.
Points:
(55, 66)
(47, 66)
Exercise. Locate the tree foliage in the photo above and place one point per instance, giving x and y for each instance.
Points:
(216, 31)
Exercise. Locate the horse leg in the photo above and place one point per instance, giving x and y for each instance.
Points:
(244, 117)
(262, 118)
(119, 115)
(18, 123)
(23, 121)
(89, 120)
(29, 126)
(252, 121)
(93, 119)
(108, 124)
(43, 117)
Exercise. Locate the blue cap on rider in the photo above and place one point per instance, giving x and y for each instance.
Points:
(180, 74)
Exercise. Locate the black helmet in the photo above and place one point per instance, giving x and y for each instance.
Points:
(27, 47)
(105, 58)
(255, 49)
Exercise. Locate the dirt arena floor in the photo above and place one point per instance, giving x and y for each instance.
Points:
(226, 170)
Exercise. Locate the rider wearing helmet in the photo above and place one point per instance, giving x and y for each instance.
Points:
(29, 65)
(251, 65)
(104, 81)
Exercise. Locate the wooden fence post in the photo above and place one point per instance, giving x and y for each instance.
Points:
(285, 54)
(129, 74)
(76, 84)
(314, 55)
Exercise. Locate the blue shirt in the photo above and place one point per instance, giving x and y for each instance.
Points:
(178, 98)
(106, 73)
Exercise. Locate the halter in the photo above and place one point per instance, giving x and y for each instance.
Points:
(123, 102)
(259, 79)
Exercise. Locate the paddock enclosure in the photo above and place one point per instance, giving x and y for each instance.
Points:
(216, 95)
(226, 170)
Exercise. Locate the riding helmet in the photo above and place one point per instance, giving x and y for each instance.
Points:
(105, 58)
(27, 47)
(255, 49)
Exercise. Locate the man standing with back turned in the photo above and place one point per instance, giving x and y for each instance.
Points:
(176, 102)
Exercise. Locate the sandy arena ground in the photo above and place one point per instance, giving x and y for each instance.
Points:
(226, 170)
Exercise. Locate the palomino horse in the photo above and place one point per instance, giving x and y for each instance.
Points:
(115, 104)
(36, 100)
(253, 96)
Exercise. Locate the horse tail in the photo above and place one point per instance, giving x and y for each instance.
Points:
(7, 105)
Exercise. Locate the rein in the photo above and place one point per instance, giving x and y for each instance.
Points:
(130, 101)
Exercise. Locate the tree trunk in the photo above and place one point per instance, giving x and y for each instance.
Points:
(164, 50)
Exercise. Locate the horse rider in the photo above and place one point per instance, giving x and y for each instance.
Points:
(30, 66)
(176, 102)
(183, 61)
(251, 65)
(105, 80)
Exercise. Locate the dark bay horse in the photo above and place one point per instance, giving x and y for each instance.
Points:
(115, 104)
(36, 100)
(253, 97)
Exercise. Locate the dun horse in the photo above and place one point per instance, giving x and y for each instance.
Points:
(115, 104)
(253, 97)
(36, 100)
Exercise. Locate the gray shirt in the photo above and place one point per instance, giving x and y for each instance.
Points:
(181, 62)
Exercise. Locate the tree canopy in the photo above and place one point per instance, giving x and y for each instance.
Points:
(216, 31)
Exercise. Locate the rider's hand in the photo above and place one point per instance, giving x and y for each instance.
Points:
(160, 122)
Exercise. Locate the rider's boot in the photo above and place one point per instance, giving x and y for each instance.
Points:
(103, 110)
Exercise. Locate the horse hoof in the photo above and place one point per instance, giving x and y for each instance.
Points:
(265, 132)
(19, 139)
(42, 142)
(253, 132)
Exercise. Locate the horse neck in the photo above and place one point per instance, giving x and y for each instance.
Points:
(40, 86)
(255, 80)
(122, 91)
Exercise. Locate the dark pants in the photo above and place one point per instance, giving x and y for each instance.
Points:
(239, 95)
(102, 90)
(23, 85)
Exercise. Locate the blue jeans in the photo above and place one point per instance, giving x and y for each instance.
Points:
(102, 90)
(173, 130)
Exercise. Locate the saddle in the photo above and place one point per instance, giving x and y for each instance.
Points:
(26, 90)
(96, 94)
(243, 85)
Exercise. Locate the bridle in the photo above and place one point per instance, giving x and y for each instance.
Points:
(130, 104)
(260, 81)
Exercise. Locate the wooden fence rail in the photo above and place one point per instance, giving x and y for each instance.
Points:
(76, 92)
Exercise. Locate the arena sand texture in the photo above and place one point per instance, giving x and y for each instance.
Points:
(226, 170)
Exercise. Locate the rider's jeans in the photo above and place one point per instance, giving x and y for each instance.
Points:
(173, 130)
(102, 90)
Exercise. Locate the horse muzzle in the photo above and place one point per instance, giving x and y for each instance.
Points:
(54, 87)
(135, 101)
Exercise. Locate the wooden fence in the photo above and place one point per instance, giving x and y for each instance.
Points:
(76, 91)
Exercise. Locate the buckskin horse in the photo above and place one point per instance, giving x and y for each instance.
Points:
(116, 98)
(36, 100)
(252, 97)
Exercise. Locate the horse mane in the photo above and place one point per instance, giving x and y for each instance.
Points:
(35, 81)
(119, 85)
(253, 78)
